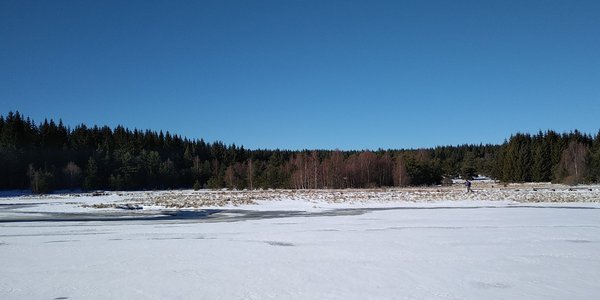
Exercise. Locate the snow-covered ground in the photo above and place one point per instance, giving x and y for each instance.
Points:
(433, 243)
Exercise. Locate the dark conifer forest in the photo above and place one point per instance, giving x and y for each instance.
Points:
(50, 156)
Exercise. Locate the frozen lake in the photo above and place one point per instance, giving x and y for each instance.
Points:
(467, 250)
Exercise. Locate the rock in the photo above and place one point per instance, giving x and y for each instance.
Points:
(129, 206)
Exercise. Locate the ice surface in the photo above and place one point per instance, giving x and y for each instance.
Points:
(327, 249)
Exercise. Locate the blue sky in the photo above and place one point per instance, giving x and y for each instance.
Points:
(307, 74)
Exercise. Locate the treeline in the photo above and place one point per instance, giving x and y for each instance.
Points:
(50, 156)
(568, 158)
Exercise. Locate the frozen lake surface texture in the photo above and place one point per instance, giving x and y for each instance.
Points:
(497, 243)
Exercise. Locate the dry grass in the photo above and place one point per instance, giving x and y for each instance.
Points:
(525, 193)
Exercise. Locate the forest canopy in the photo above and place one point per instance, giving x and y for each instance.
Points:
(50, 156)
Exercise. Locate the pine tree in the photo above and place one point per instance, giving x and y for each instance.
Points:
(91, 180)
(542, 161)
(468, 170)
(197, 185)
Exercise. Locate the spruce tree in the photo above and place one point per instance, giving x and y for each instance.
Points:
(91, 180)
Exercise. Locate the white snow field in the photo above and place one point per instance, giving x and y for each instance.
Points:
(381, 244)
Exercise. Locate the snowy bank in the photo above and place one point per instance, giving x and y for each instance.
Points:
(418, 250)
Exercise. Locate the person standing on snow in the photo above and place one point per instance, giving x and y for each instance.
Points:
(468, 185)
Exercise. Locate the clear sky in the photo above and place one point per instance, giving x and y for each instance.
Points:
(307, 74)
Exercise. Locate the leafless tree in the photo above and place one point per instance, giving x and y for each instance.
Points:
(401, 177)
(573, 163)
(250, 173)
(73, 173)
